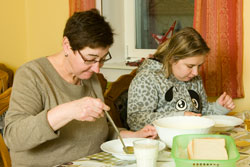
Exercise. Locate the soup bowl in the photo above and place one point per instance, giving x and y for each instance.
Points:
(169, 127)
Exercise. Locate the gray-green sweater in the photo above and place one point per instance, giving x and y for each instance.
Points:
(38, 88)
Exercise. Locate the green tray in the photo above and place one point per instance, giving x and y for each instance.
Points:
(179, 152)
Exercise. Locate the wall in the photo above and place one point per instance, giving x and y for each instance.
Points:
(30, 29)
(33, 28)
(244, 104)
(13, 43)
(45, 23)
(114, 12)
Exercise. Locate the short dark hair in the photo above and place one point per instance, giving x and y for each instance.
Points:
(88, 29)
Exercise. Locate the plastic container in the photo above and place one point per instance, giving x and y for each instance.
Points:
(179, 152)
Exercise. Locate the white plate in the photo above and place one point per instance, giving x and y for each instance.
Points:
(224, 122)
(116, 149)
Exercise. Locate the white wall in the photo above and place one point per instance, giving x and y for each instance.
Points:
(113, 10)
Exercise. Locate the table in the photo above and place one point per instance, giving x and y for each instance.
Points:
(103, 159)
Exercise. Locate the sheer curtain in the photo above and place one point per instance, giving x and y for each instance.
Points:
(220, 22)
(80, 5)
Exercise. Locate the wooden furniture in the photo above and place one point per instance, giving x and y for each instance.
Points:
(112, 71)
(4, 100)
(4, 153)
(4, 104)
(116, 98)
(103, 81)
(3, 81)
(10, 74)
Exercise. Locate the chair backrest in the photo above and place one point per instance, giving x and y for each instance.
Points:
(4, 153)
(10, 74)
(4, 104)
(103, 81)
(116, 97)
(4, 100)
(3, 81)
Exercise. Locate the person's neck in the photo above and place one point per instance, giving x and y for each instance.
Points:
(61, 64)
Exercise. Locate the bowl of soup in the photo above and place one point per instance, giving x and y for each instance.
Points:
(169, 127)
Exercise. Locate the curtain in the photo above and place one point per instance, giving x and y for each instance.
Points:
(220, 22)
(80, 5)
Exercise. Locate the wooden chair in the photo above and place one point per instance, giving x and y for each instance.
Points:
(3, 81)
(4, 153)
(4, 104)
(4, 100)
(103, 81)
(10, 74)
(116, 97)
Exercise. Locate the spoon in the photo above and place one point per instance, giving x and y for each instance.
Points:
(126, 149)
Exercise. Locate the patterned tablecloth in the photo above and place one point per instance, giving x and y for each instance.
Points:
(242, 141)
(103, 159)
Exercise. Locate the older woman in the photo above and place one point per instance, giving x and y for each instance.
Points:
(56, 108)
(169, 84)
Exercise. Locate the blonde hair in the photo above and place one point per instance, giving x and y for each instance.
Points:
(185, 43)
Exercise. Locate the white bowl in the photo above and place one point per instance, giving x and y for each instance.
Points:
(114, 147)
(169, 127)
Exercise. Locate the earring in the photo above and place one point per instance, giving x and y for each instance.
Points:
(66, 55)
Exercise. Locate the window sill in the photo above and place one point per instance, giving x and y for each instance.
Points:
(118, 65)
(113, 71)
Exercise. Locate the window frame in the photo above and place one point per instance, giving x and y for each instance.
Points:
(131, 53)
(99, 5)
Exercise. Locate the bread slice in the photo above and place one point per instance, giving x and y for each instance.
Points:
(190, 150)
(207, 149)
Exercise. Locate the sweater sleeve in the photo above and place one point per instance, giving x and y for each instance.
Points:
(26, 124)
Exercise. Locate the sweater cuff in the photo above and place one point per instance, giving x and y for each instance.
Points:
(220, 109)
(45, 129)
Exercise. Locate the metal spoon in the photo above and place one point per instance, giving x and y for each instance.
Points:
(126, 149)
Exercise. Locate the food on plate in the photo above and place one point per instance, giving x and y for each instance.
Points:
(207, 149)
(242, 143)
(114, 147)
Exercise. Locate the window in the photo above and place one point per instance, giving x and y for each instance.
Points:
(143, 18)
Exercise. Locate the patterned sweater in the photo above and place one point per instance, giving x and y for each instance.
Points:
(152, 96)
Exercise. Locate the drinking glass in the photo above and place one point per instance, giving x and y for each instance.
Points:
(146, 152)
(246, 117)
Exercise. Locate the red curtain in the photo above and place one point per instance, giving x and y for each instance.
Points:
(80, 5)
(220, 22)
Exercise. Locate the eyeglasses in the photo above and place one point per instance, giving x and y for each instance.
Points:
(101, 61)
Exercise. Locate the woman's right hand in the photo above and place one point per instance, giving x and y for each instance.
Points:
(89, 109)
(84, 109)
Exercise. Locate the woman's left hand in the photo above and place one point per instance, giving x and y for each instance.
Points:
(148, 131)
(226, 101)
